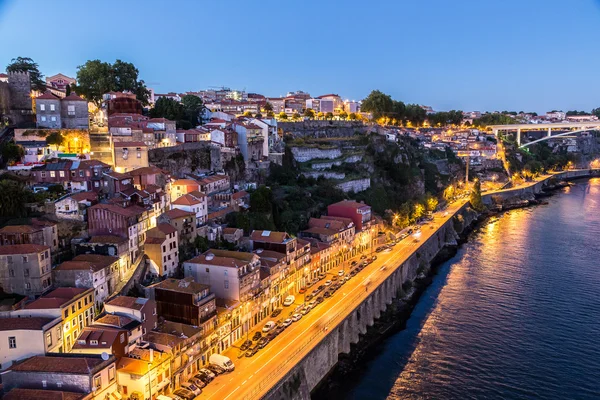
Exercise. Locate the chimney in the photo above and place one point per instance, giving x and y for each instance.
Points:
(151, 355)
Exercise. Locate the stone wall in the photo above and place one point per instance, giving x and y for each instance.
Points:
(326, 174)
(320, 129)
(303, 154)
(357, 185)
(187, 158)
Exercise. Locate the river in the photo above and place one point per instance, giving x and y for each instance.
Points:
(514, 315)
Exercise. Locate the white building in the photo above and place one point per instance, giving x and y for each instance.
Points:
(24, 337)
(556, 115)
(195, 202)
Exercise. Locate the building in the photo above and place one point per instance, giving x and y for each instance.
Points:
(359, 213)
(214, 183)
(25, 269)
(128, 156)
(231, 275)
(37, 394)
(82, 175)
(162, 249)
(280, 242)
(25, 337)
(88, 374)
(70, 112)
(59, 82)
(139, 308)
(74, 206)
(194, 202)
(233, 235)
(250, 140)
(556, 116)
(183, 221)
(36, 232)
(108, 245)
(90, 271)
(74, 306)
(98, 339)
(145, 373)
(183, 186)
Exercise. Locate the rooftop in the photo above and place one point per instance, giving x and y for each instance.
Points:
(56, 298)
(186, 285)
(22, 249)
(136, 303)
(94, 262)
(38, 394)
(61, 365)
(26, 323)
(224, 258)
(269, 236)
(177, 213)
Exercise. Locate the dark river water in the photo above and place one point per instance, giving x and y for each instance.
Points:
(514, 315)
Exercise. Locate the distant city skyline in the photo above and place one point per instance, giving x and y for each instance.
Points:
(470, 55)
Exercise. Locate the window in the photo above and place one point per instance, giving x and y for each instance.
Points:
(25, 259)
(122, 338)
(81, 173)
(28, 286)
(97, 382)
(52, 107)
(26, 272)
(71, 110)
(11, 273)
(226, 283)
(66, 313)
(48, 339)
(44, 384)
(43, 174)
(43, 108)
(52, 174)
(53, 119)
(79, 304)
(43, 118)
(61, 174)
(111, 374)
(94, 342)
(12, 342)
(9, 259)
(73, 308)
(59, 384)
(139, 152)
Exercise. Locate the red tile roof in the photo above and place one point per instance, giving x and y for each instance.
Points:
(107, 239)
(38, 394)
(59, 365)
(186, 200)
(22, 249)
(94, 262)
(130, 144)
(47, 96)
(269, 236)
(25, 323)
(136, 303)
(177, 213)
(56, 298)
(85, 196)
(73, 97)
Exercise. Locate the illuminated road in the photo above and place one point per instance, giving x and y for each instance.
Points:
(254, 376)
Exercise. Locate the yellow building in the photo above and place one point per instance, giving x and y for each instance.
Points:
(128, 156)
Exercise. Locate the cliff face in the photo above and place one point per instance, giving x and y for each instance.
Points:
(188, 158)
(326, 129)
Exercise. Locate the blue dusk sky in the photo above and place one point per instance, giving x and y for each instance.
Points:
(530, 55)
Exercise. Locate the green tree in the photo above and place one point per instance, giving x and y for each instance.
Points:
(596, 112)
(418, 211)
(283, 116)
(169, 109)
(270, 114)
(320, 115)
(378, 104)
(343, 115)
(352, 116)
(329, 115)
(248, 114)
(309, 113)
(431, 203)
(68, 90)
(13, 197)
(11, 152)
(95, 77)
(55, 139)
(268, 107)
(415, 114)
(296, 116)
(261, 200)
(193, 109)
(398, 110)
(475, 199)
(258, 116)
(26, 64)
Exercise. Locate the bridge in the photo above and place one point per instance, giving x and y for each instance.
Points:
(574, 127)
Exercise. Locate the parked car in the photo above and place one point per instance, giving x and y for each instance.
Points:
(328, 293)
(373, 258)
(328, 283)
(276, 312)
(305, 310)
(184, 394)
(308, 297)
(257, 335)
(341, 271)
(198, 382)
(296, 317)
(353, 263)
(320, 299)
(321, 276)
(268, 326)
(279, 329)
(289, 301)
(207, 372)
(252, 351)
(262, 343)
(334, 278)
(246, 345)
(203, 377)
(287, 322)
(312, 303)
(363, 257)
(379, 249)
(192, 388)
(221, 361)
(216, 369)
(302, 290)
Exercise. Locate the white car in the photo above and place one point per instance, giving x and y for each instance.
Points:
(296, 317)
(207, 372)
(327, 283)
(341, 272)
(289, 301)
(287, 322)
(268, 326)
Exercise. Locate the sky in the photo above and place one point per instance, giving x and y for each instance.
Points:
(486, 55)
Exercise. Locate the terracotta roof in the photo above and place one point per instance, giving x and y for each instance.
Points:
(186, 285)
(94, 262)
(224, 258)
(350, 204)
(47, 96)
(321, 231)
(239, 195)
(333, 224)
(22, 249)
(186, 200)
(105, 335)
(147, 171)
(26, 323)
(85, 196)
(230, 231)
(136, 303)
(56, 298)
(178, 329)
(38, 394)
(177, 213)
(115, 320)
(155, 240)
(73, 97)
(132, 211)
(269, 236)
(185, 182)
(270, 254)
(162, 119)
(220, 213)
(163, 338)
(213, 178)
(107, 239)
(117, 175)
(59, 365)
(19, 229)
(165, 228)
(130, 144)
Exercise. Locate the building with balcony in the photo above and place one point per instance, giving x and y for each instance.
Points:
(36, 232)
(162, 249)
(183, 221)
(145, 372)
(25, 269)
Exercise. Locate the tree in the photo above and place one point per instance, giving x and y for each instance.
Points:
(352, 116)
(309, 113)
(193, 109)
(431, 203)
(11, 152)
(68, 90)
(95, 77)
(169, 109)
(55, 138)
(268, 107)
(415, 114)
(261, 200)
(26, 64)
(296, 116)
(329, 115)
(378, 104)
(270, 114)
(248, 114)
(343, 115)
(398, 110)
(418, 211)
(283, 115)
(596, 112)
(12, 199)
(475, 199)
(449, 193)
(320, 115)
(258, 116)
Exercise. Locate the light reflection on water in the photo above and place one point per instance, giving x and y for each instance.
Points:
(516, 314)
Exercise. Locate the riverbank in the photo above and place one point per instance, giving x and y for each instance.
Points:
(351, 365)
